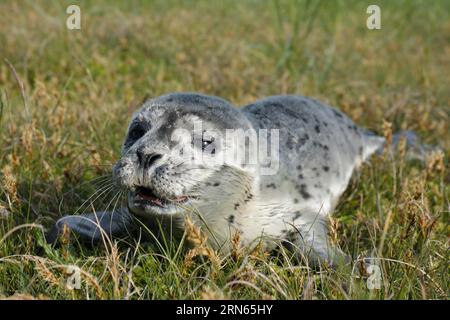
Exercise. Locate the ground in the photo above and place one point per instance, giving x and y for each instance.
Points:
(67, 95)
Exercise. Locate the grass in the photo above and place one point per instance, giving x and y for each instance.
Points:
(66, 96)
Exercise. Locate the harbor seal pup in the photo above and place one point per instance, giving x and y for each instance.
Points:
(319, 148)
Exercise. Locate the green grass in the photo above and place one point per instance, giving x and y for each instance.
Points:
(81, 87)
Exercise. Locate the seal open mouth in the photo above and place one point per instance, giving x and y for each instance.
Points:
(149, 196)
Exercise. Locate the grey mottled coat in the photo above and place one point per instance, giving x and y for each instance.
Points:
(319, 149)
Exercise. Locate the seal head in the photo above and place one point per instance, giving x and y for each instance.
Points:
(163, 137)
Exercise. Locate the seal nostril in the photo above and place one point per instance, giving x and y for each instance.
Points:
(140, 155)
(147, 160)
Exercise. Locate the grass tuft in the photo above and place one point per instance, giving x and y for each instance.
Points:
(66, 97)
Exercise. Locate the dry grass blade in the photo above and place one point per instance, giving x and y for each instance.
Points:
(199, 242)
(66, 98)
(21, 86)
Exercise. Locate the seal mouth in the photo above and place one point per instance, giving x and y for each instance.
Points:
(149, 197)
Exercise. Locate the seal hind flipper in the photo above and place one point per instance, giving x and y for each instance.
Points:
(372, 143)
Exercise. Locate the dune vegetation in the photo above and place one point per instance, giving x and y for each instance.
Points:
(66, 97)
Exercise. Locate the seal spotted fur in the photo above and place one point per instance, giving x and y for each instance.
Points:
(319, 149)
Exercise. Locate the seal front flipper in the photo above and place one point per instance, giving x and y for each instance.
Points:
(94, 227)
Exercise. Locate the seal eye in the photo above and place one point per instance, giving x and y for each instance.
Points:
(136, 133)
(206, 143)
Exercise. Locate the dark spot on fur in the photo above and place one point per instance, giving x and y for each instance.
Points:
(325, 124)
(318, 185)
(303, 140)
(216, 184)
(249, 197)
(276, 105)
(299, 167)
(271, 185)
(231, 219)
(303, 192)
(300, 176)
(295, 200)
(289, 143)
(337, 114)
(326, 168)
(315, 119)
(317, 129)
(236, 205)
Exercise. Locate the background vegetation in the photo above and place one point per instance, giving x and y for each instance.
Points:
(66, 97)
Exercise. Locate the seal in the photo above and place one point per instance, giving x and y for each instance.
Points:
(316, 148)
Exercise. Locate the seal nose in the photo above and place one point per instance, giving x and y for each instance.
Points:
(147, 160)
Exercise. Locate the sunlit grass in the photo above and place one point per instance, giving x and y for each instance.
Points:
(65, 128)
